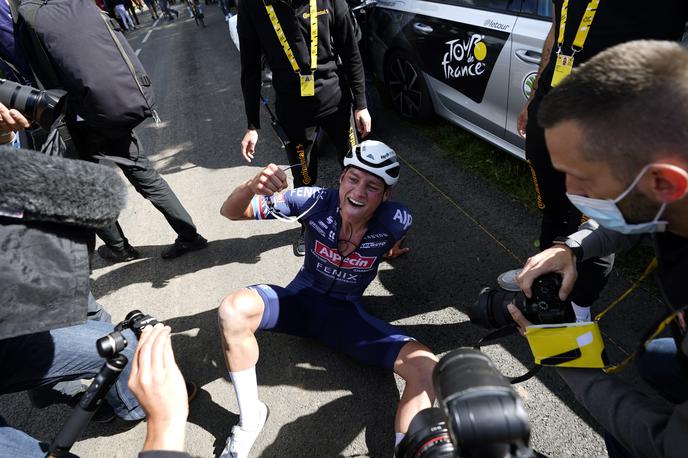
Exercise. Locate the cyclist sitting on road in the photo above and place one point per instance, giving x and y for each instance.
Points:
(348, 232)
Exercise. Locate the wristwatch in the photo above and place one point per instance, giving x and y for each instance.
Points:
(573, 245)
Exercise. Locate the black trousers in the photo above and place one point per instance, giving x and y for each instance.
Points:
(302, 147)
(126, 151)
(559, 216)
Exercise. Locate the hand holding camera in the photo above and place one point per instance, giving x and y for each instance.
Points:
(159, 386)
(557, 259)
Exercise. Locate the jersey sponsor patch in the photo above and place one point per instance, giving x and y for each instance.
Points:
(339, 274)
(353, 261)
(404, 218)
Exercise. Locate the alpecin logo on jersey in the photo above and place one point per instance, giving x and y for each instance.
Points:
(353, 261)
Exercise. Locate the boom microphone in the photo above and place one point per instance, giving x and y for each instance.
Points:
(48, 208)
(36, 187)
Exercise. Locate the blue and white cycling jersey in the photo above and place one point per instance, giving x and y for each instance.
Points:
(324, 269)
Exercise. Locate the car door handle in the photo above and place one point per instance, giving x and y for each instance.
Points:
(529, 56)
(422, 28)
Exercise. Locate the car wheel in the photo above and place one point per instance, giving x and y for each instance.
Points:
(407, 89)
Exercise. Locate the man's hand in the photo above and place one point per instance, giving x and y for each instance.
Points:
(558, 259)
(12, 120)
(363, 122)
(518, 318)
(522, 121)
(248, 144)
(271, 180)
(397, 250)
(159, 386)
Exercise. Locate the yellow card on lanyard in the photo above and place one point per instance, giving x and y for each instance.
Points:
(562, 69)
(307, 85)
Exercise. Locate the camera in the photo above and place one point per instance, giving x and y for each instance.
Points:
(44, 107)
(113, 343)
(480, 414)
(544, 307)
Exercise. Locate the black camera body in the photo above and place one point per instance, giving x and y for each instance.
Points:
(544, 307)
(113, 343)
(480, 414)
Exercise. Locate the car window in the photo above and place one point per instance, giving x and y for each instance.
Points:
(542, 8)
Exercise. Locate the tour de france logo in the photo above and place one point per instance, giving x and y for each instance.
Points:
(464, 58)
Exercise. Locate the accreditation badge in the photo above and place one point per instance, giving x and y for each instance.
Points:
(562, 69)
(307, 85)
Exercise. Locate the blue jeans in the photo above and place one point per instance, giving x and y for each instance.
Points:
(46, 358)
(659, 366)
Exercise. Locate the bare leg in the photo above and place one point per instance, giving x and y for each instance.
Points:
(414, 364)
(239, 316)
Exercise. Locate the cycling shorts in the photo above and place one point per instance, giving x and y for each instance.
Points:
(339, 324)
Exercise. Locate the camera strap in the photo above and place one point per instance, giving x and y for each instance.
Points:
(503, 332)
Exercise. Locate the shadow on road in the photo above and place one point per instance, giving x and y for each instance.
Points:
(151, 268)
(292, 361)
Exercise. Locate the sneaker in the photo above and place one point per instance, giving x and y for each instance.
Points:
(127, 253)
(509, 280)
(300, 246)
(180, 247)
(240, 440)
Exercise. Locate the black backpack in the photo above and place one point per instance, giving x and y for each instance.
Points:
(73, 45)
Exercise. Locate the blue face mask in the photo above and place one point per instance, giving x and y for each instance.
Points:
(607, 213)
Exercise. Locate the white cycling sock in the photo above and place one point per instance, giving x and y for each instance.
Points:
(246, 389)
(582, 313)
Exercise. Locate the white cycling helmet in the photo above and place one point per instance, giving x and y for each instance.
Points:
(377, 158)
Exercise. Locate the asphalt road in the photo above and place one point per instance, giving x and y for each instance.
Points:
(464, 233)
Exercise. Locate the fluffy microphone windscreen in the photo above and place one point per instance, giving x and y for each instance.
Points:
(36, 187)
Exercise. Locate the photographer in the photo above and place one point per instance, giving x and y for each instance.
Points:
(626, 166)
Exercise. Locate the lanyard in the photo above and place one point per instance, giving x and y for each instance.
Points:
(285, 44)
(583, 28)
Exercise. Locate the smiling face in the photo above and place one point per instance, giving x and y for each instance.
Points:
(360, 193)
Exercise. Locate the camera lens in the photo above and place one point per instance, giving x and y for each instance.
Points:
(484, 413)
(136, 321)
(490, 311)
(427, 437)
(40, 106)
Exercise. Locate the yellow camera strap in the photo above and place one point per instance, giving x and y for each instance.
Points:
(307, 80)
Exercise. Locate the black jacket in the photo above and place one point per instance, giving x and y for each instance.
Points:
(335, 39)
